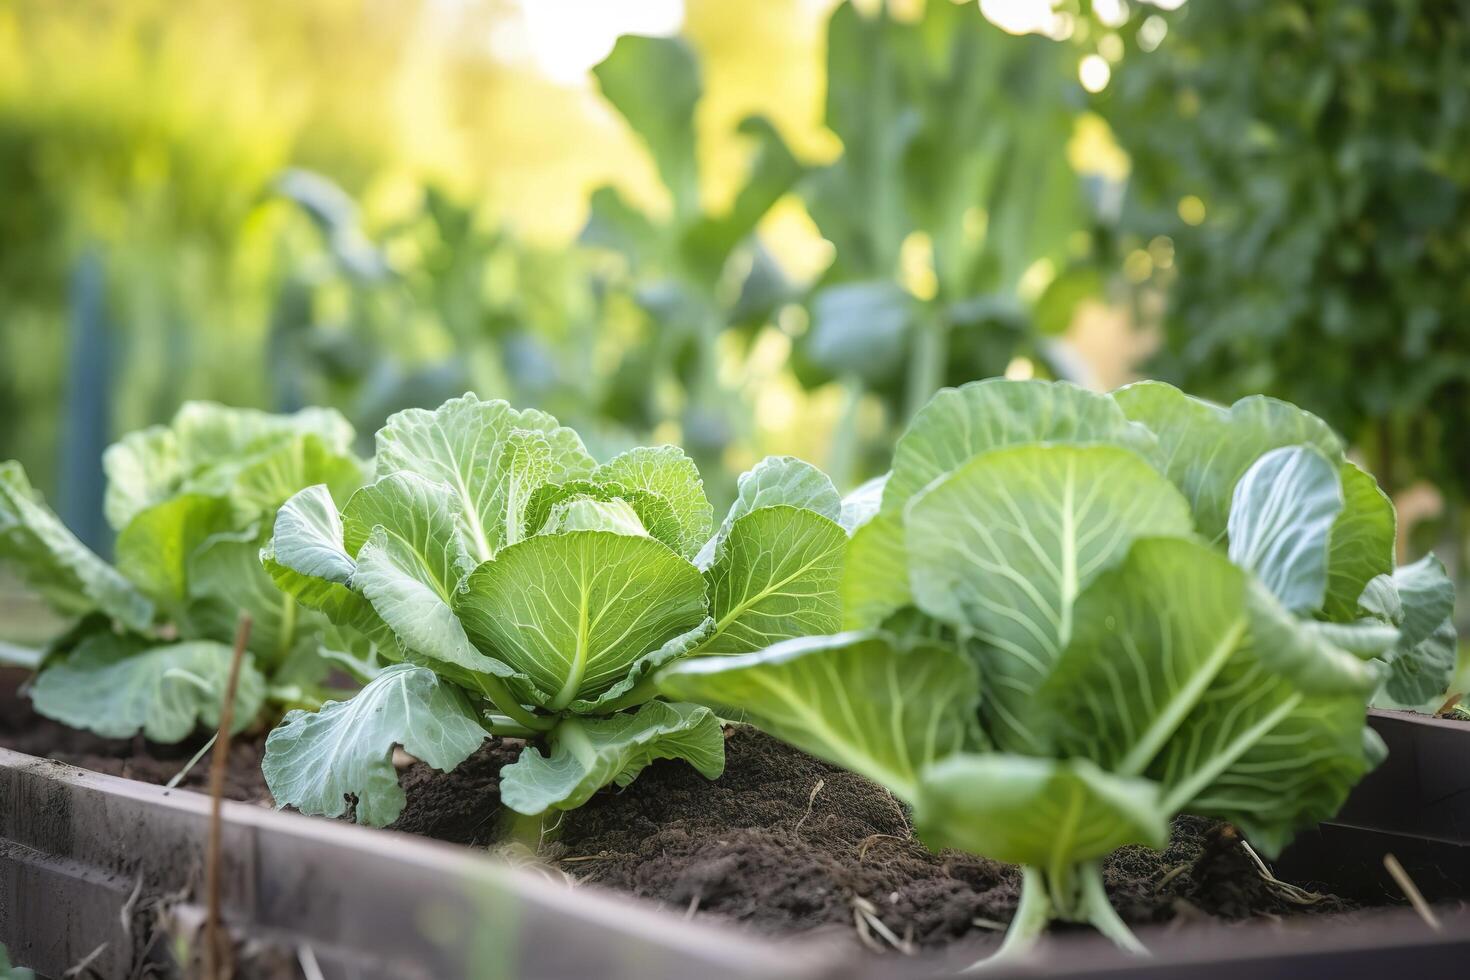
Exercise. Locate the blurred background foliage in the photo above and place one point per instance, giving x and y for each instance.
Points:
(773, 226)
(1309, 164)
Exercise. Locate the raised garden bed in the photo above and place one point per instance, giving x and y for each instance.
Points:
(1024, 647)
(763, 873)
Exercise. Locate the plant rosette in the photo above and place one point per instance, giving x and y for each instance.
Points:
(149, 649)
(521, 588)
(1074, 616)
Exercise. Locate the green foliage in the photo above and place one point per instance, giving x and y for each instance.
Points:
(544, 588)
(1206, 448)
(1327, 144)
(52, 561)
(189, 502)
(775, 481)
(885, 711)
(123, 686)
(954, 140)
(629, 594)
(1285, 539)
(316, 759)
(1419, 599)
(588, 754)
(775, 576)
(676, 268)
(1083, 614)
(1005, 544)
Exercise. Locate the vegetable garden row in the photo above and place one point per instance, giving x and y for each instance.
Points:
(1063, 626)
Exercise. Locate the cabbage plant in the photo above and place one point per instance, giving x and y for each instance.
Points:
(1074, 616)
(513, 585)
(191, 502)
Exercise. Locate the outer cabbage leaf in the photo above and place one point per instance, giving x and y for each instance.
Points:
(776, 578)
(315, 760)
(667, 472)
(310, 540)
(875, 578)
(863, 504)
(575, 611)
(490, 456)
(356, 654)
(1364, 638)
(1184, 669)
(51, 560)
(307, 559)
(958, 424)
(1362, 546)
(1005, 544)
(209, 432)
(155, 548)
(266, 483)
(410, 562)
(588, 754)
(1205, 448)
(1278, 738)
(1281, 519)
(863, 701)
(143, 468)
(1420, 600)
(955, 426)
(1149, 637)
(225, 576)
(1046, 813)
(207, 446)
(121, 686)
(775, 481)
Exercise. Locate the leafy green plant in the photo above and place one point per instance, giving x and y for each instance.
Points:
(693, 272)
(525, 589)
(955, 141)
(191, 503)
(1074, 616)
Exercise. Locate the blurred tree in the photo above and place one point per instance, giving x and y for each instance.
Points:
(154, 136)
(1306, 166)
(143, 132)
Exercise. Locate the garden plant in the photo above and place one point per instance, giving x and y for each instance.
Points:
(503, 581)
(1075, 616)
(148, 648)
(1119, 660)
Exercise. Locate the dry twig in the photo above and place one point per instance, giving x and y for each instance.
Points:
(1285, 889)
(1411, 891)
(215, 953)
(872, 839)
(810, 802)
(865, 917)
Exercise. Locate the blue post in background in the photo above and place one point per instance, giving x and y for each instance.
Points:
(86, 429)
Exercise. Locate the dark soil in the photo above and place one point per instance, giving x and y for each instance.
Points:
(25, 731)
(783, 842)
(462, 807)
(780, 843)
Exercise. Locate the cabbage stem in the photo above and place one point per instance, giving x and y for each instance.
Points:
(506, 703)
(644, 690)
(1076, 894)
